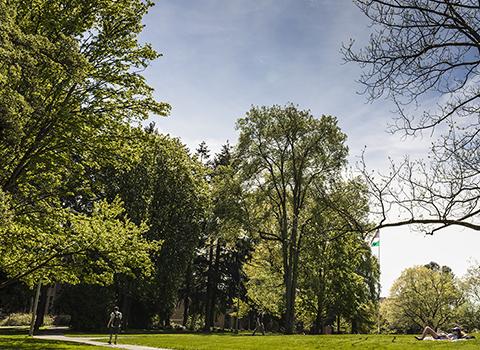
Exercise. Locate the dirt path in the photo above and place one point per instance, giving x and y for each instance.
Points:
(92, 341)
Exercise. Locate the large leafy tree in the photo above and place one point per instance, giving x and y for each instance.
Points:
(283, 153)
(168, 190)
(469, 312)
(70, 87)
(179, 201)
(421, 297)
(425, 56)
(215, 274)
(339, 275)
(165, 188)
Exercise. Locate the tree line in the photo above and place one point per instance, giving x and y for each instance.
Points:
(116, 212)
(119, 213)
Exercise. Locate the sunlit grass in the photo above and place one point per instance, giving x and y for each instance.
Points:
(283, 342)
(242, 342)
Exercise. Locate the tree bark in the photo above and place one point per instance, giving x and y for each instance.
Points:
(42, 302)
(354, 325)
(214, 286)
(186, 298)
(126, 306)
(289, 301)
(208, 301)
(319, 321)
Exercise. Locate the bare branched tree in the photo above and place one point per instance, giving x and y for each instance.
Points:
(425, 56)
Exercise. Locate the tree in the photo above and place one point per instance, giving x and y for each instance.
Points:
(176, 208)
(339, 276)
(165, 188)
(70, 87)
(423, 51)
(422, 297)
(469, 312)
(282, 153)
(224, 246)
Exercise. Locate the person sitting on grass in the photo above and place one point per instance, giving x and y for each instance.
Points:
(457, 333)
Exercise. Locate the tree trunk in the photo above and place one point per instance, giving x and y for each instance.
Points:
(40, 316)
(188, 292)
(289, 301)
(208, 301)
(186, 298)
(318, 323)
(291, 278)
(354, 325)
(126, 305)
(214, 286)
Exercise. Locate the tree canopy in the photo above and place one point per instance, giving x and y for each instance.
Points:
(284, 153)
(70, 90)
(421, 297)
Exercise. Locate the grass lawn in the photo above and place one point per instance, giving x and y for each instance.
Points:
(298, 342)
(15, 341)
(244, 342)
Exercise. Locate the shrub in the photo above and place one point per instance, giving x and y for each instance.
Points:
(23, 319)
(62, 320)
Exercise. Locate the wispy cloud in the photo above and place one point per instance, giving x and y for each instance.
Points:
(221, 57)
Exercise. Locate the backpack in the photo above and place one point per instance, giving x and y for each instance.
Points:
(117, 319)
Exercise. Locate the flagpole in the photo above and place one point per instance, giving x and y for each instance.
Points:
(379, 284)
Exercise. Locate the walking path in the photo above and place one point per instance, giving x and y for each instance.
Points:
(90, 341)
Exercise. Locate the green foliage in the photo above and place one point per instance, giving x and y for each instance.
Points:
(214, 278)
(89, 248)
(284, 155)
(471, 284)
(70, 88)
(469, 311)
(339, 275)
(88, 305)
(422, 297)
(179, 201)
(166, 188)
(264, 285)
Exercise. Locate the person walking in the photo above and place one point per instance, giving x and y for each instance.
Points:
(114, 324)
(259, 323)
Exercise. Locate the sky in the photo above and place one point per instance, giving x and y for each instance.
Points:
(220, 57)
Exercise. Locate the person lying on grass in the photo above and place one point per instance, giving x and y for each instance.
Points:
(457, 333)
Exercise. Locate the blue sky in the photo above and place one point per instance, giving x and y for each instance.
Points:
(222, 56)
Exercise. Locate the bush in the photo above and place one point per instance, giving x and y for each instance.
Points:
(62, 320)
(23, 319)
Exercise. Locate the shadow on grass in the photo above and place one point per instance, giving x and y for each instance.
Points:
(13, 331)
(159, 331)
(18, 342)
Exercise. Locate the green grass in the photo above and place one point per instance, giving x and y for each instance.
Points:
(244, 342)
(15, 342)
(297, 342)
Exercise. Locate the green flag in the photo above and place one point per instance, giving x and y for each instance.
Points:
(376, 239)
